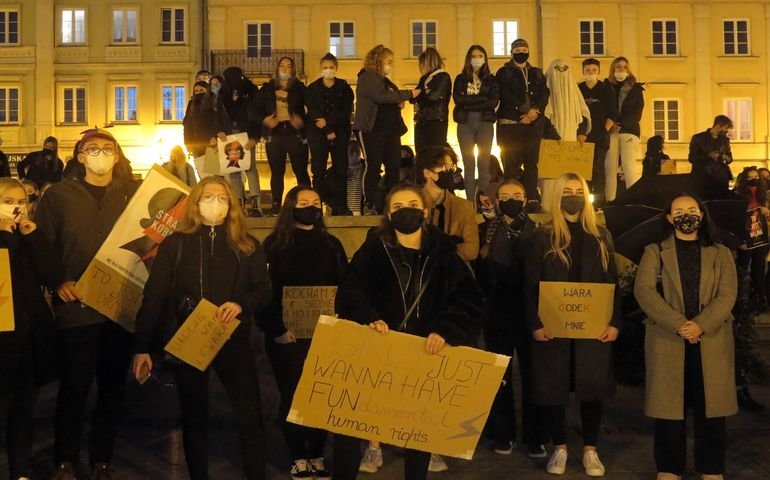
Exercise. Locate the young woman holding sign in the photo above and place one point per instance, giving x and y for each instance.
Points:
(300, 252)
(687, 285)
(408, 277)
(572, 249)
(211, 256)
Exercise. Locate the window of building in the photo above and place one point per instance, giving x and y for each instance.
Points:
(664, 37)
(73, 105)
(173, 102)
(124, 25)
(504, 32)
(666, 117)
(124, 103)
(591, 37)
(9, 27)
(172, 25)
(73, 26)
(342, 39)
(424, 35)
(9, 105)
(739, 111)
(259, 39)
(736, 36)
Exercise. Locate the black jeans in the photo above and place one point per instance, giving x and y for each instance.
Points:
(429, 133)
(598, 179)
(710, 434)
(590, 418)
(101, 352)
(236, 369)
(347, 458)
(18, 408)
(519, 146)
(287, 361)
(380, 148)
(333, 185)
(754, 261)
(277, 148)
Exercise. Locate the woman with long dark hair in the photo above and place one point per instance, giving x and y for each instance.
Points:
(687, 286)
(203, 123)
(300, 252)
(751, 186)
(211, 256)
(282, 110)
(476, 95)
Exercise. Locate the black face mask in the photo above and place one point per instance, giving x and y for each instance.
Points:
(572, 204)
(754, 182)
(308, 215)
(512, 208)
(407, 220)
(446, 180)
(32, 197)
(687, 223)
(520, 57)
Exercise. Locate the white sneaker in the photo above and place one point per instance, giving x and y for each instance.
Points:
(372, 460)
(557, 464)
(437, 464)
(301, 470)
(592, 464)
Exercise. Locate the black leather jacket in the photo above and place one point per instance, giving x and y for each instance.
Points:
(433, 104)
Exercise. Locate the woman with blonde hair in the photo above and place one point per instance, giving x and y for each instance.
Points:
(574, 248)
(378, 124)
(431, 115)
(177, 166)
(211, 256)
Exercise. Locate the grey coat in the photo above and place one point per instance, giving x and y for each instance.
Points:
(665, 350)
(371, 91)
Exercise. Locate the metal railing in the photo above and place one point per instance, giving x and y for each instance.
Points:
(255, 61)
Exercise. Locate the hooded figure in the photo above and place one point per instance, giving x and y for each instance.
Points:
(566, 107)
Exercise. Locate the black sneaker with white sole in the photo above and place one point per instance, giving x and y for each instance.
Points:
(301, 470)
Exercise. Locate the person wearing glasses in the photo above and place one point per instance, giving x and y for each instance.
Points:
(210, 256)
(687, 286)
(76, 215)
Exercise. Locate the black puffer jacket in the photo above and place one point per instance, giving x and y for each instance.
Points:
(432, 104)
(485, 101)
(374, 289)
(518, 96)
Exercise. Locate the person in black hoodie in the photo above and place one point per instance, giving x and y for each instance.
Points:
(654, 157)
(300, 252)
(329, 110)
(43, 166)
(476, 95)
(211, 256)
(282, 114)
(523, 98)
(431, 112)
(408, 277)
(710, 155)
(27, 352)
(204, 121)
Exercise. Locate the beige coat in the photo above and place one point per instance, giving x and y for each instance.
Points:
(664, 349)
(459, 221)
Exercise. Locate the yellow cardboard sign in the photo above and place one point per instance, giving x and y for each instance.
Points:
(201, 336)
(386, 387)
(303, 305)
(575, 310)
(558, 157)
(7, 319)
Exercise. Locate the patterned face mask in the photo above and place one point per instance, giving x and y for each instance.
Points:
(572, 204)
(687, 223)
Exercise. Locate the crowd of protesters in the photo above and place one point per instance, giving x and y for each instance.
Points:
(430, 269)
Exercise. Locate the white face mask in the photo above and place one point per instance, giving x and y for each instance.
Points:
(621, 76)
(477, 62)
(213, 213)
(590, 78)
(387, 70)
(100, 164)
(329, 73)
(283, 76)
(16, 213)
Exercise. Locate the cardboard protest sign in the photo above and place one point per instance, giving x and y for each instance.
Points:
(7, 319)
(303, 305)
(756, 229)
(558, 157)
(208, 163)
(233, 156)
(575, 310)
(201, 336)
(385, 387)
(113, 282)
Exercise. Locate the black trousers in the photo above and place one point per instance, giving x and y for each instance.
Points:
(519, 146)
(236, 369)
(710, 434)
(333, 186)
(100, 352)
(277, 148)
(347, 458)
(18, 408)
(429, 133)
(598, 179)
(754, 261)
(590, 419)
(287, 362)
(380, 148)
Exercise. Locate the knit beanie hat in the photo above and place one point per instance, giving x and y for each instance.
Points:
(519, 42)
